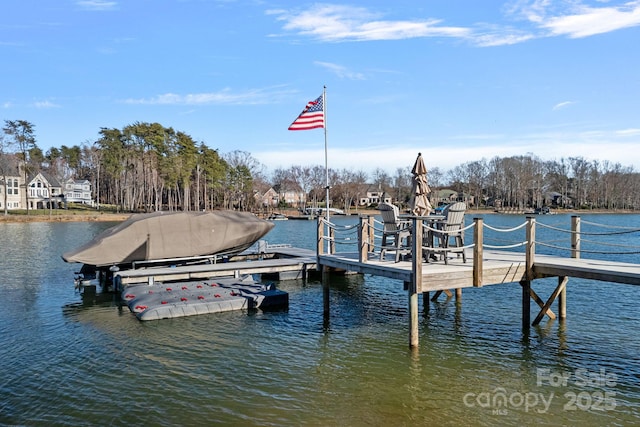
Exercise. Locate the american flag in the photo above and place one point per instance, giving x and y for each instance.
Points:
(312, 117)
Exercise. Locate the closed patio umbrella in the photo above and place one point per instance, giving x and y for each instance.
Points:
(420, 205)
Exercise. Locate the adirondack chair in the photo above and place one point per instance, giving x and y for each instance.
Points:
(451, 231)
(396, 234)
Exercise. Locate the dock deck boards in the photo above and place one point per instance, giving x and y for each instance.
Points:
(498, 267)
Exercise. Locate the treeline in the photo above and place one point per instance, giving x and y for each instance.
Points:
(528, 181)
(147, 167)
(517, 182)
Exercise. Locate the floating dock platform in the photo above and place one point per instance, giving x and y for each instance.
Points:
(165, 292)
(180, 299)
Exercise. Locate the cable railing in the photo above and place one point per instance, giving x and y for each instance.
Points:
(601, 246)
(366, 235)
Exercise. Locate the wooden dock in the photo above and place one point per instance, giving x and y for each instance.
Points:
(486, 267)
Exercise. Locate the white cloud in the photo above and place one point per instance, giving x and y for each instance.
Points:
(500, 38)
(45, 105)
(561, 105)
(610, 145)
(336, 23)
(339, 23)
(588, 21)
(224, 97)
(340, 71)
(628, 132)
(97, 4)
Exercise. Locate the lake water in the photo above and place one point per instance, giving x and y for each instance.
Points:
(65, 362)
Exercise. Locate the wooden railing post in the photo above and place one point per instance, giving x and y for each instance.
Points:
(575, 236)
(478, 236)
(332, 240)
(320, 234)
(371, 232)
(416, 253)
(363, 239)
(531, 247)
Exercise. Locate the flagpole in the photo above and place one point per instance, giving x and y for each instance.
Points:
(326, 162)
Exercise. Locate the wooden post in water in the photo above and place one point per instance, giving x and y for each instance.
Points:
(575, 253)
(477, 251)
(415, 286)
(526, 304)
(425, 303)
(526, 284)
(323, 269)
(326, 312)
(562, 298)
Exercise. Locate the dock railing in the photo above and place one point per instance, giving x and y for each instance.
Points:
(364, 237)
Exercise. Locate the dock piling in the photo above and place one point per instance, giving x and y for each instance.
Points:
(415, 286)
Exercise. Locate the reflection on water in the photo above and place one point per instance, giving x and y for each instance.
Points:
(66, 361)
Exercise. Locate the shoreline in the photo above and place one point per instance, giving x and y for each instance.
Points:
(116, 217)
(79, 217)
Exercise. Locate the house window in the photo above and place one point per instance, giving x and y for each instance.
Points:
(15, 187)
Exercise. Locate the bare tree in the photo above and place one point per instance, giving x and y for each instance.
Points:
(242, 167)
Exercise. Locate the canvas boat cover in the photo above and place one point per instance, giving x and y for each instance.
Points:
(164, 235)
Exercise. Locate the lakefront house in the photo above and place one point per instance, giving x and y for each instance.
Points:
(42, 191)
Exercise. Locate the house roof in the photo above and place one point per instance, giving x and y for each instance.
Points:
(51, 180)
(78, 181)
(9, 165)
(287, 187)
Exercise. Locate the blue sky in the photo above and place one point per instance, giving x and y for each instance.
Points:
(456, 80)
